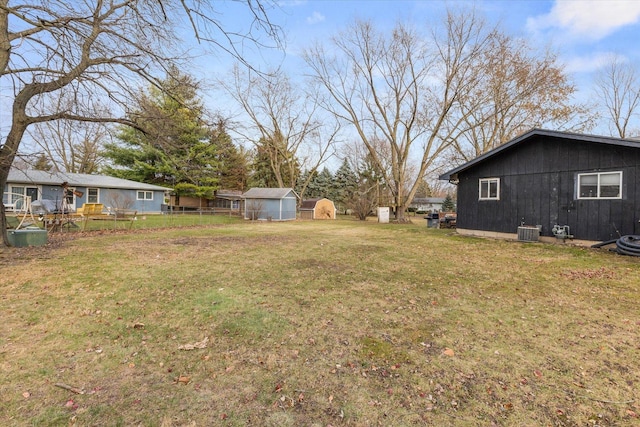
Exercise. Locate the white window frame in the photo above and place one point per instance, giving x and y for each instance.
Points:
(144, 194)
(597, 196)
(89, 195)
(18, 198)
(488, 181)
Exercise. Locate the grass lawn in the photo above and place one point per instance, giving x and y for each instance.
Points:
(138, 222)
(316, 324)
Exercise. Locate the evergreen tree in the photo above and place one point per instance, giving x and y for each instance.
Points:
(171, 146)
(423, 190)
(42, 163)
(274, 166)
(233, 161)
(262, 174)
(448, 205)
(345, 185)
(324, 184)
(308, 190)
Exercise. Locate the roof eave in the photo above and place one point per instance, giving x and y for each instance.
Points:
(452, 175)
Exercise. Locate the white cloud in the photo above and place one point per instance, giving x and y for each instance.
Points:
(592, 19)
(315, 18)
(589, 63)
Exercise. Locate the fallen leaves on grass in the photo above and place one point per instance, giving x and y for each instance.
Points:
(183, 379)
(71, 405)
(448, 352)
(196, 345)
(594, 273)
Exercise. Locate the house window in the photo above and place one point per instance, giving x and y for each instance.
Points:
(145, 195)
(602, 185)
(222, 203)
(490, 189)
(16, 196)
(93, 195)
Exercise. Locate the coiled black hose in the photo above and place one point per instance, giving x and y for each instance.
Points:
(628, 245)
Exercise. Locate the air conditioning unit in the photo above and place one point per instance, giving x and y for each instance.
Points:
(528, 233)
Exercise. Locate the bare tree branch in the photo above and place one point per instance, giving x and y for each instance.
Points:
(400, 88)
(285, 119)
(617, 86)
(99, 50)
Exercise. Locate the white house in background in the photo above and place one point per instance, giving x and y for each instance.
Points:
(427, 204)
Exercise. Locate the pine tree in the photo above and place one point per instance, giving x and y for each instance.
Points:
(308, 191)
(423, 190)
(448, 205)
(274, 166)
(233, 161)
(173, 146)
(324, 184)
(42, 163)
(345, 185)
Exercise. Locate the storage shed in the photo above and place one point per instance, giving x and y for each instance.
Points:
(320, 208)
(272, 204)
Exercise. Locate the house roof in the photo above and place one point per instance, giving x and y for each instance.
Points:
(428, 200)
(20, 176)
(310, 204)
(229, 194)
(452, 174)
(268, 193)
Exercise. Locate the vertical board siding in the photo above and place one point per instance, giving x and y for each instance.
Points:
(538, 187)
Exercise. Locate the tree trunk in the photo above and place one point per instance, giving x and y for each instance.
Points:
(400, 202)
(7, 155)
(401, 208)
(3, 226)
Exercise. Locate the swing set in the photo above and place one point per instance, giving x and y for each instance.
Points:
(19, 206)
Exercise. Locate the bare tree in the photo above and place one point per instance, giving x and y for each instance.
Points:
(120, 201)
(368, 191)
(516, 89)
(71, 146)
(94, 52)
(284, 123)
(254, 209)
(617, 87)
(402, 89)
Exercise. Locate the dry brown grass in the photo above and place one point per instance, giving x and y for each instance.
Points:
(317, 324)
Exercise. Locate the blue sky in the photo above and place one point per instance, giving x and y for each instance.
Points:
(582, 32)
